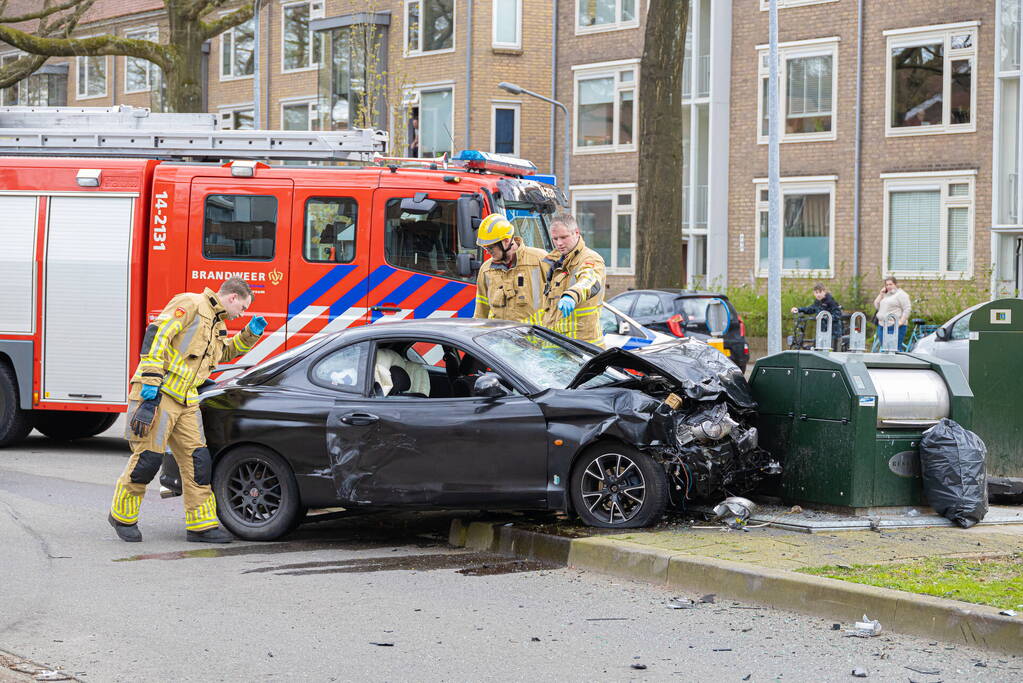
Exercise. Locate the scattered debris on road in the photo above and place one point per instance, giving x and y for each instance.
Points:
(868, 628)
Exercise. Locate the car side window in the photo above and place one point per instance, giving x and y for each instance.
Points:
(961, 328)
(343, 369)
(330, 224)
(624, 302)
(608, 321)
(648, 305)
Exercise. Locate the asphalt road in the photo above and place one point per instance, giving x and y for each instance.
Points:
(371, 598)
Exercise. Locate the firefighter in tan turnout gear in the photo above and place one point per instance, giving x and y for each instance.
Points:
(574, 286)
(509, 283)
(180, 349)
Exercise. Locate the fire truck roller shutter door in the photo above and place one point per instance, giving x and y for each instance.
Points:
(17, 264)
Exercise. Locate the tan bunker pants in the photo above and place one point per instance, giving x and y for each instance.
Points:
(179, 427)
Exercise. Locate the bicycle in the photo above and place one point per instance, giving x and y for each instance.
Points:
(920, 330)
(798, 339)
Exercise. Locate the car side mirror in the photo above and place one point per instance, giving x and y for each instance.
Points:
(941, 334)
(489, 385)
(466, 265)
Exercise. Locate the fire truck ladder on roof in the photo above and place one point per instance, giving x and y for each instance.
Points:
(137, 132)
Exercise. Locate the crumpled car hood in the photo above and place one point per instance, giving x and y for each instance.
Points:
(693, 368)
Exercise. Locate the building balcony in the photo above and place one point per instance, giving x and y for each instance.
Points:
(698, 213)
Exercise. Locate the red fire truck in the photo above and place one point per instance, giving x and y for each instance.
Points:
(93, 245)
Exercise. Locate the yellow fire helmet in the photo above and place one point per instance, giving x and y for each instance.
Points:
(493, 229)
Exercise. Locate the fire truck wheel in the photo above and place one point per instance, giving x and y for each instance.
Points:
(15, 423)
(65, 425)
(257, 495)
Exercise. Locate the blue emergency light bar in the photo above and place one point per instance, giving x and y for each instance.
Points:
(488, 162)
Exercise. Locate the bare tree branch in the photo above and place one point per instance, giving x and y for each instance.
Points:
(45, 12)
(239, 16)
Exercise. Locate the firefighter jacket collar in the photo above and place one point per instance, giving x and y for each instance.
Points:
(515, 261)
(217, 309)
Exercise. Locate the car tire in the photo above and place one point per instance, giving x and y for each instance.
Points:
(631, 490)
(275, 508)
(62, 425)
(15, 423)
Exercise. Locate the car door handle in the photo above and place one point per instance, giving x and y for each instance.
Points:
(359, 419)
(386, 309)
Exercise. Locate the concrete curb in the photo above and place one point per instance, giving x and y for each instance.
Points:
(948, 620)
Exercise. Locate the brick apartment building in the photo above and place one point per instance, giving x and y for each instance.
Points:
(926, 159)
(937, 199)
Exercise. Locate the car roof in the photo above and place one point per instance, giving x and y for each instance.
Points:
(425, 326)
(677, 292)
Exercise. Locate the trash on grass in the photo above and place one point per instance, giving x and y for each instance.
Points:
(1008, 612)
(868, 628)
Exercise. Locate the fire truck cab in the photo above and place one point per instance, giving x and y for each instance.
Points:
(92, 249)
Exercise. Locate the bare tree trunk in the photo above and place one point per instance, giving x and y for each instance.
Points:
(659, 219)
(184, 81)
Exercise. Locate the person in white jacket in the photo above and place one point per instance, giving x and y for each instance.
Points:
(892, 301)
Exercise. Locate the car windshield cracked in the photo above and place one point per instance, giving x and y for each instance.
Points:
(545, 361)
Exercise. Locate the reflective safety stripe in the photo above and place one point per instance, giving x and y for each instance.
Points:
(125, 507)
(203, 517)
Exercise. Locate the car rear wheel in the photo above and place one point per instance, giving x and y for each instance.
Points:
(614, 486)
(257, 495)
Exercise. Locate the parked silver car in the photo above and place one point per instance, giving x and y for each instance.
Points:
(951, 341)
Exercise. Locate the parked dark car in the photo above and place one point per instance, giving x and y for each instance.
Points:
(478, 414)
(682, 312)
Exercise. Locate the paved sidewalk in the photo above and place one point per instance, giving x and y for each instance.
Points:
(757, 566)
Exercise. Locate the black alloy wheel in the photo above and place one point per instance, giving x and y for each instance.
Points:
(614, 486)
(257, 495)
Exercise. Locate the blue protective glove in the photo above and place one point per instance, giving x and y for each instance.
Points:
(566, 306)
(257, 325)
(149, 392)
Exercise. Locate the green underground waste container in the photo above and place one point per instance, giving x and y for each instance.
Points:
(996, 378)
(847, 426)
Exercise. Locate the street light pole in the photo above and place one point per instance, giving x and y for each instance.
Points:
(774, 197)
(519, 90)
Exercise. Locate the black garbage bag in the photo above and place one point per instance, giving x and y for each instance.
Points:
(954, 478)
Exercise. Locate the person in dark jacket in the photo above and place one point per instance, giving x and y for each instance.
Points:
(824, 302)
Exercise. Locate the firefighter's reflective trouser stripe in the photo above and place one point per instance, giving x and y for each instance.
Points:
(180, 428)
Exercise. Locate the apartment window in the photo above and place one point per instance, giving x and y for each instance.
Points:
(140, 74)
(92, 77)
(301, 47)
(429, 26)
(236, 52)
(505, 127)
(434, 117)
(807, 236)
(929, 224)
(605, 110)
(606, 217)
(9, 96)
(507, 23)
(238, 118)
(807, 83)
(605, 15)
(300, 115)
(930, 80)
(765, 4)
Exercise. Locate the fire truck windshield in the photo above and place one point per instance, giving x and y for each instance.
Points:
(530, 225)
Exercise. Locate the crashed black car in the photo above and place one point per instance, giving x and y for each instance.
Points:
(478, 414)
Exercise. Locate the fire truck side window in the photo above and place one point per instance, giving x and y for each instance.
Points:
(240, 227)
(426, 243)
(330, 229)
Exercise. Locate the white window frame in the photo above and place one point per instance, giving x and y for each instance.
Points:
(585, 72)
(150, 33)
(413, 96)
(314, 57)
(797, 185)
(517, 45)
(818, 47)
(78, 81)
(617, 25)
(929, 181)
(230, 109)
(420, 52)
(229, 33)
(310, 101)
(514, 105)
(611, 192)
(782, 4)
(926, 35)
